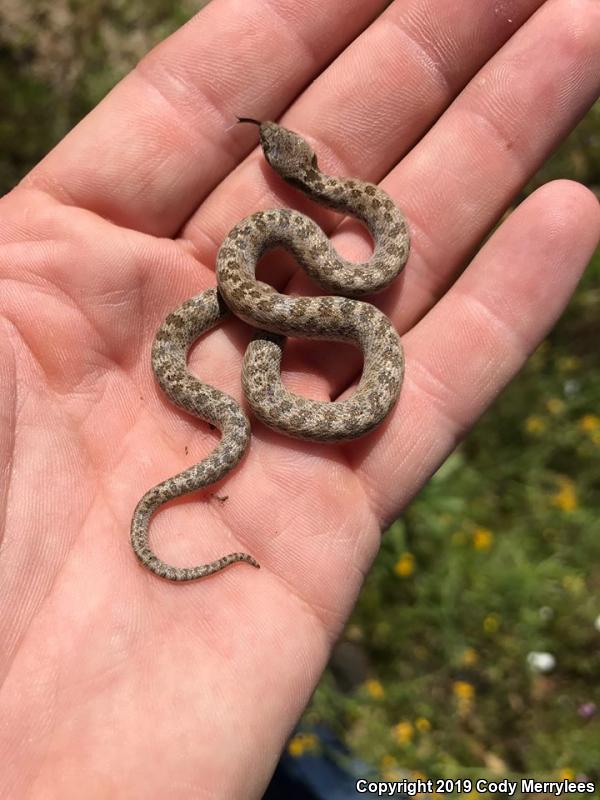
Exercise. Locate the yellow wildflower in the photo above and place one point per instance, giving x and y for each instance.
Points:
(296, 746)
(422, 725)
(555, 405)
(566, 774)
(482, 539)
(469, 657)
(388, 761)
(566, 497)
(535, 424)
(463, 690)
(403, 732)
(301, 743)
(589, 423)
(405, 565)
(374, 688)
(491, 623)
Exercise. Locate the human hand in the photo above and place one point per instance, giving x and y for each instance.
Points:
(114, 682)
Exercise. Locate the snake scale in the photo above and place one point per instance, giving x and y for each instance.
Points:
(339, 317)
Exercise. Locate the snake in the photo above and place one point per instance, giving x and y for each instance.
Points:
(338, 316)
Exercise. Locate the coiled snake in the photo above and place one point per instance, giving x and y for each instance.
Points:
(276, 316)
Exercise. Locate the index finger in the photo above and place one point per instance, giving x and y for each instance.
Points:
(154, 147)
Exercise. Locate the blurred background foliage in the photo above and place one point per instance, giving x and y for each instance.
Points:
(475, 646)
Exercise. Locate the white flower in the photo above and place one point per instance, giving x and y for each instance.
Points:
(597, 623)
(571, 387)
(541, 662)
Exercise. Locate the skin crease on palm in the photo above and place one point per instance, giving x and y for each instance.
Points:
(116, 684)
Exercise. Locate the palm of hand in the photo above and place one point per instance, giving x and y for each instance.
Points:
(80, 312)
(114, 680)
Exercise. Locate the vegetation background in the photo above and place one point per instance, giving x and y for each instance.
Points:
(474, 650)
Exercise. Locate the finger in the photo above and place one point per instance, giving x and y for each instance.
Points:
(474, 340)
(156, 145)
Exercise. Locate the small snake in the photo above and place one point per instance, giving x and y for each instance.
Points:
(276, 316)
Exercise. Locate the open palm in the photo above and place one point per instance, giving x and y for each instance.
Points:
(115, 683)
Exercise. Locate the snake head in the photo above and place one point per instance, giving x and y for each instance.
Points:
(286, 152)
